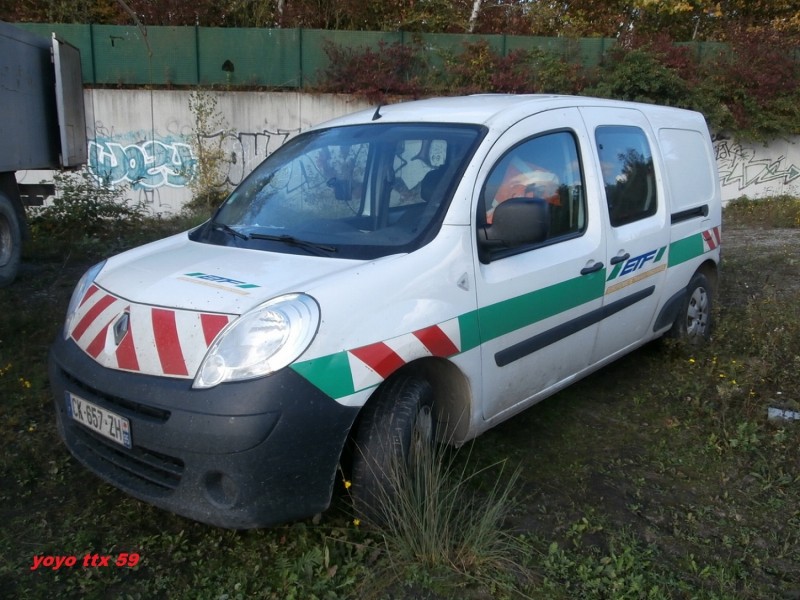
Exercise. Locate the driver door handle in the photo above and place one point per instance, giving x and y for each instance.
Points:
(592, 269)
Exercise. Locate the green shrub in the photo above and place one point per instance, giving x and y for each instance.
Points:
(206, 179)
(639, 75)
(85, 213)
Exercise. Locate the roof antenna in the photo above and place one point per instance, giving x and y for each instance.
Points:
(378, 114)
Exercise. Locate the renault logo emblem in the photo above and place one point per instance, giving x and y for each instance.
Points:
(121, 327)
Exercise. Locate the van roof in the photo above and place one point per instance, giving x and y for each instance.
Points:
(491, 109)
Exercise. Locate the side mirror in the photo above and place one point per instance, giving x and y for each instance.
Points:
(518, 222)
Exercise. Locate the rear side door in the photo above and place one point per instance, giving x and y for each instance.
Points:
(626, 156)
(534, 299)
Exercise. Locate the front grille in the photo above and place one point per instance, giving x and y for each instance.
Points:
(139, 469)
(156, 415)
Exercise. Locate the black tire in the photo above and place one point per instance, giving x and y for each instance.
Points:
(694, 320)
(395, 422)
(10, 242)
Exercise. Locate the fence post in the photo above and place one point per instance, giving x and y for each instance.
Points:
(300, 51)
(197, 54)
(92, 54)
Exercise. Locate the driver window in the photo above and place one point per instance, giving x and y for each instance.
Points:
(546, 169)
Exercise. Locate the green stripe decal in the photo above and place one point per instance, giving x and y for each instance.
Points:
(685, 249)
(470, 333)
(507, 316)
(616, 270)
(331, 374)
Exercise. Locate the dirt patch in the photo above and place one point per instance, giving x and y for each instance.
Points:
(760, 260)
(738, 237)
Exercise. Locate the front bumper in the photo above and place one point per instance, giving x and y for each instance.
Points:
(240, 455)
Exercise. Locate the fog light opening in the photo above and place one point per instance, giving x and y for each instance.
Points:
(221, 490)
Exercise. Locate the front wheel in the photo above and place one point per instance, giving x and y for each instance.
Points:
(10, 242)
(694, 320)
(397, 425)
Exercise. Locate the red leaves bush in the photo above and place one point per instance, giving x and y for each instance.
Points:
(390, 70)
(750, 88)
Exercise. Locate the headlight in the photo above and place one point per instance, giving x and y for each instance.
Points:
(260, 342)
(77, 295)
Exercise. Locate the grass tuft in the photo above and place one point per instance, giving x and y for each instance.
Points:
(445, 519)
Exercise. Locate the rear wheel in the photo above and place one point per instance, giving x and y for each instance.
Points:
(397, 424)
(694, 320)
(10, 241)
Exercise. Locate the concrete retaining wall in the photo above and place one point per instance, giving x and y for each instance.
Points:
(143, 139)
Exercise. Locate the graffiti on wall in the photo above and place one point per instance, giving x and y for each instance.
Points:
(170, 161)
(744, 170)
(142, 165)
(243, 151)
(149, 164)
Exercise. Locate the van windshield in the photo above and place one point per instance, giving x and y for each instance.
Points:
(361, 191)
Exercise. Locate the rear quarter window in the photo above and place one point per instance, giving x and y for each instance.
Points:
(627, 166)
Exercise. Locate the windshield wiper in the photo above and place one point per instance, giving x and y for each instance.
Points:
(285, 239)
(292, 241)
(230, 230)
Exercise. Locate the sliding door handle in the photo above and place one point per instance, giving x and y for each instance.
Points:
(618, 259)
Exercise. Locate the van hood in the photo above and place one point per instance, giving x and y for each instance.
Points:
(157, 309)
(181, 274)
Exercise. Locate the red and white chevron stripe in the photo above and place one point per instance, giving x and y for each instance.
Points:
(712, 238)
(370, 365)
(158, 341)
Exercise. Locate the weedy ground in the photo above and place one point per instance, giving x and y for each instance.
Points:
(661, 476)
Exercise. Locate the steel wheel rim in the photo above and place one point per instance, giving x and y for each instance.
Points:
(697, 313)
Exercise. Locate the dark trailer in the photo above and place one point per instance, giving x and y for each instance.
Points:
(42, 126)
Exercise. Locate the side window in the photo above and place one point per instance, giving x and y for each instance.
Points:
(545, 169)
(627, 165)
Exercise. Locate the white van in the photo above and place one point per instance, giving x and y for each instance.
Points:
(428, 268)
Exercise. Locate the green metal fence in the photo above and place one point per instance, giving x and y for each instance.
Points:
(274, 58)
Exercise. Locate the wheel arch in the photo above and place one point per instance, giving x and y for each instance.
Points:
(669, 312)
(452, 392)
(710, 269)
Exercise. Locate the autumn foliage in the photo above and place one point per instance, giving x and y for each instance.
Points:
(681, 19)
(749, 87)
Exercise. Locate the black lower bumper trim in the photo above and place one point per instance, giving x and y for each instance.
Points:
(241, 455)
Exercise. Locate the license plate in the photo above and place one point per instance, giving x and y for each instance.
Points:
(100, 420)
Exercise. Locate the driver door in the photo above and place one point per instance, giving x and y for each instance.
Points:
(536, 301)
